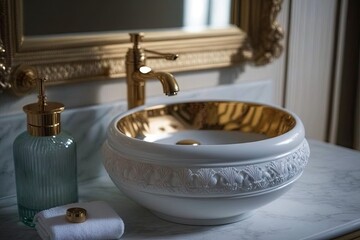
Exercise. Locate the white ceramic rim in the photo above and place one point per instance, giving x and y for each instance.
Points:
(205, 155)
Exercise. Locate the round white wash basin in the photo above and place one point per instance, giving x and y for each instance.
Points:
(205, 163)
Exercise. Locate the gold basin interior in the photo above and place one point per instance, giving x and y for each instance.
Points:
(238, 120)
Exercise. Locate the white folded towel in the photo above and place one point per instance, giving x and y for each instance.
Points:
(102, 222)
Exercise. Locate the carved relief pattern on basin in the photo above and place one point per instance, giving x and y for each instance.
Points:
(248, 178)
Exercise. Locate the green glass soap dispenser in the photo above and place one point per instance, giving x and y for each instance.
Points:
(44, 160)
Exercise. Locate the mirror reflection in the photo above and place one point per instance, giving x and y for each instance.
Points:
(71, 42)
(43, 17)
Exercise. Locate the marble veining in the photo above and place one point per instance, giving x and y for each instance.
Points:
(320, 205)
(324, 202)
(88, 125)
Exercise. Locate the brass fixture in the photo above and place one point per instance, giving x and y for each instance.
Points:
(137, 72)
(23, 80)
(43, 117)
(183, 119)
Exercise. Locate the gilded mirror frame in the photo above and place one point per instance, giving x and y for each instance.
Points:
(254, 38)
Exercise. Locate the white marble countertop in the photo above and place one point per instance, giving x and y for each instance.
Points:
(324, 203)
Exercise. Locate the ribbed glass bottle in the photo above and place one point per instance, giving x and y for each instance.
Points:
(45, 171)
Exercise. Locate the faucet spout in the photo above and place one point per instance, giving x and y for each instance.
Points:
(168, 81)
(137, 72)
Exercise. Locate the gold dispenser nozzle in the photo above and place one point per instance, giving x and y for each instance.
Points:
(43, 118)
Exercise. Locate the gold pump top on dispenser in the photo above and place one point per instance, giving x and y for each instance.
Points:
(43, 118)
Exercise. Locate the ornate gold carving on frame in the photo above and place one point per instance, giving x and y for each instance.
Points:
(78, 58)
(258, 20)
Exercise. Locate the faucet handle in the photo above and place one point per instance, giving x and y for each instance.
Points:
(167, 56)
(138, 37)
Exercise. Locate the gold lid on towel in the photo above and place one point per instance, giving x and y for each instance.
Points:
(76, 215)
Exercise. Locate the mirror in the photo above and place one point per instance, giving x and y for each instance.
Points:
(43, 18)
(59, 45)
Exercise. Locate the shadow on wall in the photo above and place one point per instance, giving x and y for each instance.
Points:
(230, 75)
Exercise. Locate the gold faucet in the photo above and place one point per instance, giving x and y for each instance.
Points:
(137, 72)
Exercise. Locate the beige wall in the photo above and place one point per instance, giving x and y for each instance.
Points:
(303, 76)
